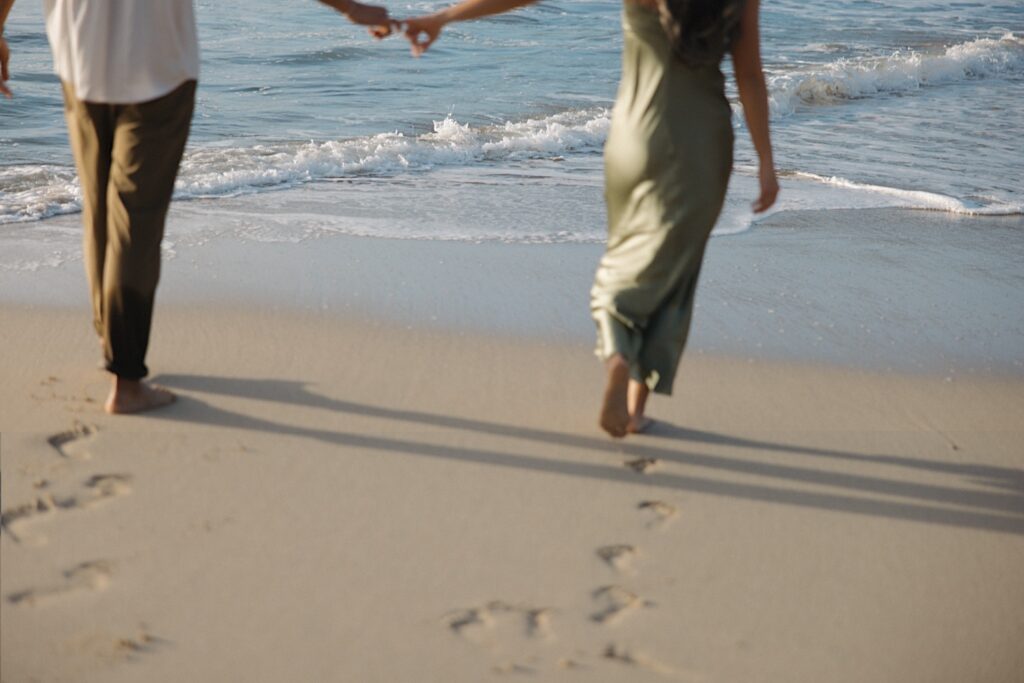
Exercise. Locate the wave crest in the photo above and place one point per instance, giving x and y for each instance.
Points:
(34, 192)
(902, 71)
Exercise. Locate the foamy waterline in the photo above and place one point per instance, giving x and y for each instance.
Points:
(31, 193)
(921, 199)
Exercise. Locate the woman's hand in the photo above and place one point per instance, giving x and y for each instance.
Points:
(769, 189)
(384, 30)
(429, 26)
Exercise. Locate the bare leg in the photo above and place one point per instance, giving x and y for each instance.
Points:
(614, 413)
(638, 393)
(135, 396)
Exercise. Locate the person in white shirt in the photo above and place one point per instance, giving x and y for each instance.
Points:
(128, 69)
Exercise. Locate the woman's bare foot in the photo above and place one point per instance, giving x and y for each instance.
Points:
(614, 413)
(636, 402)
(134, 396)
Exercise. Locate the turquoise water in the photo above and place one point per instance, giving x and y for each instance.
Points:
(874, 104)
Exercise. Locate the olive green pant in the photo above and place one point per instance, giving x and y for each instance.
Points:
(127, 157)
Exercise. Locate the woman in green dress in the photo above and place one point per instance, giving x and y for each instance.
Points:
(667, 163)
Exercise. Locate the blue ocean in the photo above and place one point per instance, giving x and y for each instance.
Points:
(306, 127)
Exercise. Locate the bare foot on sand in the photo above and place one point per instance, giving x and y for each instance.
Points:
(638, 424)
(134, 396)
(614, 413)
(637, 401)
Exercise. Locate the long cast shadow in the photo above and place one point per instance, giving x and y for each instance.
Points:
(297, 393)
(997, 477)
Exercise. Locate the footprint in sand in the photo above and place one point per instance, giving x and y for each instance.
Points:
(568, 663)
(615, 603)
(515, 668)
(112, 647)
(64, 441)
(107, 486)
(471, 623)
(517, 636)
(630, 657)
(661, 513)
(477, 623)
(42, 507)
(51, 389)
(642, 465)
(86, 577)
(538, 624)
(100, 488)
(618, 557)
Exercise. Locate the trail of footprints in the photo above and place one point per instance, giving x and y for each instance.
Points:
(612, 604)
(52, 502)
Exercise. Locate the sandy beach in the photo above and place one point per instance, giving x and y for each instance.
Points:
(384, 463)
(340, 495)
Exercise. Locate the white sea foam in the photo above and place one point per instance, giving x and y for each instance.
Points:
(900, 72)
(29, 193)
(217, 172)
(920, 199)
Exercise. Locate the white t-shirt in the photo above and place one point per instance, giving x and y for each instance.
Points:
(123, 51)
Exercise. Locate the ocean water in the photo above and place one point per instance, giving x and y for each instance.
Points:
(496, 134)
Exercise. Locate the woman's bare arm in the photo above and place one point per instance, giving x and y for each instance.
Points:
(432, 24)
(746, 59)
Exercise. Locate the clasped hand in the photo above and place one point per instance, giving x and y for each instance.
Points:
(421, 32)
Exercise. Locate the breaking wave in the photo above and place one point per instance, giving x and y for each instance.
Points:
(900, 72)
(33, 192)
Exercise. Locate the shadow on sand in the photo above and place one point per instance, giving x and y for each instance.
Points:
(1000, 510)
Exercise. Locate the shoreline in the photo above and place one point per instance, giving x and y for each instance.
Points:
(875, 289)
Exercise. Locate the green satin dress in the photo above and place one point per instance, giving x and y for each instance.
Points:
(667, 163)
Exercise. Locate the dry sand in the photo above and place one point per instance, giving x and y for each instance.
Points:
(338, 499)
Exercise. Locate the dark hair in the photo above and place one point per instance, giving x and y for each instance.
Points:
(701, 31)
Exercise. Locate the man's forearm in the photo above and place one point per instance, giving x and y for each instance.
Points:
(343, 6)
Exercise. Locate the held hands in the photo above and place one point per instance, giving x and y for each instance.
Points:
(421, 32)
